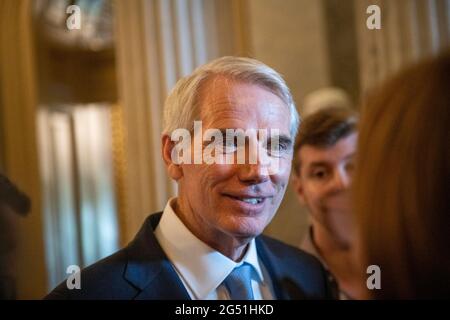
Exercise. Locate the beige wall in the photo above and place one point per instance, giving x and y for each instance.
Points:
(289, 35)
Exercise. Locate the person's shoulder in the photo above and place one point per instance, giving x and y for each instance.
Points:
(101, 280)
(109, 278)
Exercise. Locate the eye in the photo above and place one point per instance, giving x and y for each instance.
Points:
(227, 146)
(276, 148)
(319, 174)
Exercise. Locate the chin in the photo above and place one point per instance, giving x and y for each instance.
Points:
(245, 234)
(246, 227)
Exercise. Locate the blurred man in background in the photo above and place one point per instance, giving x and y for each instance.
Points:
(323, 164)
(12, 202)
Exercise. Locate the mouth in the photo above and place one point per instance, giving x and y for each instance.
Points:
(249, 200)
(249, 203)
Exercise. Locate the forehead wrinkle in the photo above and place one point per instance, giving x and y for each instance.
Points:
(218, 93)
(220, 99)
(208, 91)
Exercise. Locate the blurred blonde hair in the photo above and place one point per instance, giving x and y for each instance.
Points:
(402, 180)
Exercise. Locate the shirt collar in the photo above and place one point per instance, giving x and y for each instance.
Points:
(309, 246)
(202, 268)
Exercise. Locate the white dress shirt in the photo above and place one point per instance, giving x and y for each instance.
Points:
(201, 268)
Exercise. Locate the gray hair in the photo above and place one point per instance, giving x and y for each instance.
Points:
(182, 106)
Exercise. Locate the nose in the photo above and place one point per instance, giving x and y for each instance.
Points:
(256, 167)
(341, 180)
(254, 173)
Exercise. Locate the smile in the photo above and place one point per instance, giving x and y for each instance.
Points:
(249, 200)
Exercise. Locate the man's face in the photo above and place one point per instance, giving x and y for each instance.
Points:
(323, 185)
(237, 200)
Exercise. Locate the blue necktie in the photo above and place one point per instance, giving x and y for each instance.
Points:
(239, 283)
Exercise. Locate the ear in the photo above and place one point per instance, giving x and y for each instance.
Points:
(174, 170)
(297, 184)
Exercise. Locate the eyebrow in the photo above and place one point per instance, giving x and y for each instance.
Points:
(318, 164)
(325, 163)
(282, 137)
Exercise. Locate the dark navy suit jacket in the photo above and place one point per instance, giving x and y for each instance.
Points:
(142, 271)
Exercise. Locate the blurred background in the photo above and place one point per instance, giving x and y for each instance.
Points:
(81, 109)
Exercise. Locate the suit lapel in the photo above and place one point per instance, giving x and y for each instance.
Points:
(165, 286)
(270, 265)
(284, 276)
(148, 268)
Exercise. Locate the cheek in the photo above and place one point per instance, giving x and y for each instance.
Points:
(218, 174)
(313, 194)
(281, 178)
(208, 178)
(192, 175)
(196, 184)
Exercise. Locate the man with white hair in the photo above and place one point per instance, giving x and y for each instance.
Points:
(229, 130)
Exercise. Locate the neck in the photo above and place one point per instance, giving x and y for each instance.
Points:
(338, 258)
(326, 242)
(231, 247)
